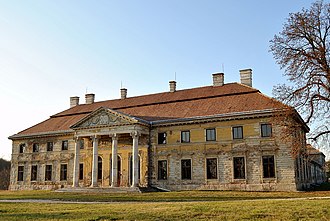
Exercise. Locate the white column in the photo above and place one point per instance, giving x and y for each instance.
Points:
(114, 162)
(95, 161)
(135, 157)
(76, 163)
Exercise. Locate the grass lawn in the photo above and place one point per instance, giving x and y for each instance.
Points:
(185, 205)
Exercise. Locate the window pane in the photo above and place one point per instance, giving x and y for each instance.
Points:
(185, 136)
(268, 166)
(186, 169)
(266, 130)
(211, 167)
(34, 172)
(210, 134)
(162, 170)
(239, 168)
(161, 138)
(238, 132)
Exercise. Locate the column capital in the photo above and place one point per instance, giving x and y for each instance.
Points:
(135, 134)
(114, 136)
(77, 138)
(95, 137)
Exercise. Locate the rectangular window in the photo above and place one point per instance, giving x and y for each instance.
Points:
(268, 166)
(238, 132)
(50, 146)
(162, 138)
(81, 144)
(162, 170)
(20, 173)
(211, 168)
(34, 172)
(48, 172)
(81, 171)
(64, 145)
(186, 169)
(239, 168)
(185, 136)
(266, 130)
(210, 134)
(22, 148)
(63, 174)
(35, 148)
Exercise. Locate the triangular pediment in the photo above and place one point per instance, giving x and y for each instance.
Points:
(104, 117)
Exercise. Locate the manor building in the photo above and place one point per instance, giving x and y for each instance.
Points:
(218, 137)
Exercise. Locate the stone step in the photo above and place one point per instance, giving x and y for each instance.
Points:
(100, 190)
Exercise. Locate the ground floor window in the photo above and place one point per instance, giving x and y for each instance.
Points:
(211, 168)
(34, 172)
(162, 170)
(186, 169)
(64, 172)
(20, 173)
(48, 172)
(268, 166)
(81, 171)
(99, 168)
(239, 168)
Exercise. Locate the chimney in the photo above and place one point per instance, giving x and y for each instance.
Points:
(89, 98)
(246, 77)
(123, 93)
(218, 79)
(74, 101)
(172, 86)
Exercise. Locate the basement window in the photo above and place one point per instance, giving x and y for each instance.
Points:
(34, 172)
(162, 138)
(239, 168)
(35, 148)
(162, 170)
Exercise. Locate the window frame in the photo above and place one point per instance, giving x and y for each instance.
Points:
(269, 172)
(48, 172)
(235, 176)
(233, 132)
(34, 173)
(206, 134)
(262, 125)
(65, 145)
(159, 172)
(164, 140)
(182, 169)
(207, 168)
(64, 172)
(20, 173)
(184, 134)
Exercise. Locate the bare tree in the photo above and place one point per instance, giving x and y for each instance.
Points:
(302, 50)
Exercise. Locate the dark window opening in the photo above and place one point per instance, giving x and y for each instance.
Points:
(34, 172)
(186, 169)
(50, 146)
(266, 130)
(185, 136)
(22, 148)
(268, 166)
(211, 168)
(162, 170)
(81, 171)
(99, 168)
(20, 173)
(48, 173)
(210, 134)
(64, 145)
(162, 138)
(35, 148)
(238, 132)
(239, 168)
(81, 144)
(64, 172)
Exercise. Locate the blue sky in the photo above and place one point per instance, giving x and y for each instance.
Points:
(51, 50)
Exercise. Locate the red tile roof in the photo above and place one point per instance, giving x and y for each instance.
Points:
(189, 103)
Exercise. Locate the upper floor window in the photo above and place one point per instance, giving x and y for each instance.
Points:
(35, 148)
(81, 144)
(185, 136)
(22, 148)
(239, 168)
(64, 145)
(266, 130)
(186, 169)
(162, 138)
(210, 134)
(238, 132)
(50, 146)
(162, 170)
